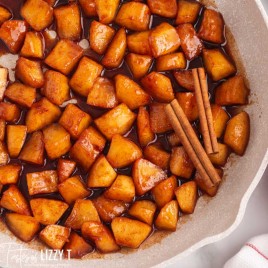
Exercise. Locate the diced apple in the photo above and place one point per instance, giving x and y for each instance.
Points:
(220, 158)
(3, 79)
(188, 11)
(185, 79)
(106, 10)
(33, 46)
(4, 156)
(5, 15)
(16, 136)
(9, 112)
(173, 139)
(89, 7)
(171, 62)
(2, 129)
(167, 9)
(65, 169)
(9, 174)
(220, 119)
(139, 43)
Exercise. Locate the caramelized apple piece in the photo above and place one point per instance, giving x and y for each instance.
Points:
(12, 33)
(164, 39)
(22, 226)
(13, 200)
(41, 114)
(74, 120)
(89, 7)
(83, 211)
(100, 36)
(158, 86)
(139, 43)
(5, 15)
(220, 158)
(68, 20)
(55, 236)
(4, 156)
(102, 94)
(56, 87)
(16, 136)
(33, 150)
(130, 233)
(171, 62)
(146, 175)
(76, 247)
(2, 129)
(237, 133)
(122, 189)
(9, 174)
(87, 148)
(116, 50)
(106, 10)
(64, 56)
(143, 210)
(220, 119)
(3, 80)
(212, 27)
(173, 139)
(43, 182)
(37, 13)
(85, 75)
(117, 121)
(101, 235)
(65, 169)
(9, 112)
(186, 195)
(101, 173)
(180, 163)
(157, 156)
(158, 119)
(21, 94)
(33, 46)
(185, 79)
(188, 11)
(187, 101)
(217, 64)
(167, 9)
(108, 209)
(139, 64)
(47, 211)
(134, 16)
(168, 217)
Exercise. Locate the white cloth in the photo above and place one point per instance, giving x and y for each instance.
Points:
(254, 254)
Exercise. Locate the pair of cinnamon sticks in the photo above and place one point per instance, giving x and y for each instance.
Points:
(188, 137)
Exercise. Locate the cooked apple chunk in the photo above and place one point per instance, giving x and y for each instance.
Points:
(185, 79)
(134, 16)
(85, 75)
(33, 150)
(164, 191)
(87, 148)
(100, 235)
(24, 227)
(4, 156)
(102, 94)
(64, 56)
(130, 233)
(217, 64)
(16, 136)
(173, 139)
(164, 39)
(74, 120)
(168, 217)
(117, 121)
(76, 247)
(3, 81)
(68, 20)
(143, 210)
(101, 173)
(232, 92)
(33, 46)
(237, 133)
(186, 195)
(65, 169)
(116, 50)
(220, 119)
(41, 114)
(2, 129)
(167, 9)
(139, 43)
(100, 36)
(212, 27)
(7, 30)
(9, 112)
(37, 13)
(171, 62)
(146, 176)
(83, 211)
(89, 7)
(9, 174)
(47, 211)
(108, 209)
(220, 158)
(122, 152)
(180, 163)
(187, 11)
(73, 189)
(55, 236)
(5, 15)
(21, 94)
(56, 87)
(122, 189)
(158, 86)
(106, 10)
(158, 119)
(43, 182)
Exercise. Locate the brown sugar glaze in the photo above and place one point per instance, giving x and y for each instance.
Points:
(14, 6)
